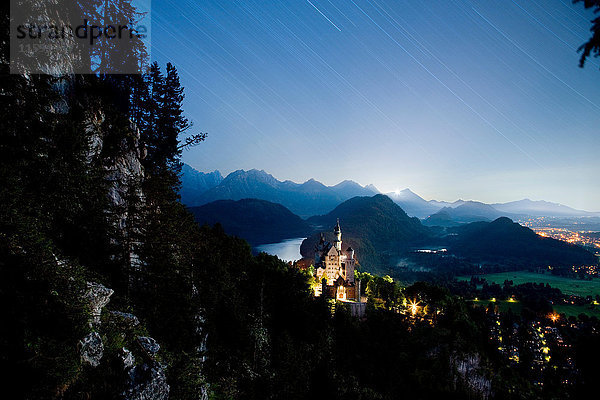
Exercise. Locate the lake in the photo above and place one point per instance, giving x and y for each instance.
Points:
(287, 250)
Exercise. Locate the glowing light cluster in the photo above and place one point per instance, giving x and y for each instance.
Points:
(414, 307)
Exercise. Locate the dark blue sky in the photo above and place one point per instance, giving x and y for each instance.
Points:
(454, 99)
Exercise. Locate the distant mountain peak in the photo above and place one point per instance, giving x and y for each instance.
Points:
(188, 168)
(475, 205)
(372, 188)
(413, 204)
(405, 194)
(194, 183)
(347, 182)
(503, 221)
(312, 181)
(252, 173)
(259, 172)
(313, 185)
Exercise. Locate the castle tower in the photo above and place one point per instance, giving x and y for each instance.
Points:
(338, 236)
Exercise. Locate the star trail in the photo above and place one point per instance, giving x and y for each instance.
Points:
(454, 99)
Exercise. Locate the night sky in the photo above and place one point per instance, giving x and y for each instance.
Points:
(479, 100)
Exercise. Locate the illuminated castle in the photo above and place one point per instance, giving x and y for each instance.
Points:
(335, 268)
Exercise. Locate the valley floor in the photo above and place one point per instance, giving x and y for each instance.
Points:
(577, 287)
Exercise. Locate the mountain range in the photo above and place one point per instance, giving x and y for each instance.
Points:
(304, 199)
(417, 206)
(468, 211)
(314, 198)
(381, 232)
(541, 208)
(194, 183)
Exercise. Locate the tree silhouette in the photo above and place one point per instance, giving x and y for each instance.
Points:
(592, 46)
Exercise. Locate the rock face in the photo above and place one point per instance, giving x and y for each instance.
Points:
(149, 344)
(199, 321)
(97, 296)
(127, 358)
(147, 382)
(124, 174)
(123, 171)
(127, 170)
(468, 369)
(91, 349)
(128, 319)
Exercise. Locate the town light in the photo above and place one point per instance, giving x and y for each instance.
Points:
(414, 307)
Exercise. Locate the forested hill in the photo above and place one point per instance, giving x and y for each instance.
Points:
(257, 221)
(373, 217)
(506, 240)
(375, 227)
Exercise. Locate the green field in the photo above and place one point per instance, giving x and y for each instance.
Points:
(566, 285)
(516, 307)
(572, 310)
(503, 305)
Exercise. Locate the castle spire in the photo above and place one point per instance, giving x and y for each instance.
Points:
(338, 235)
